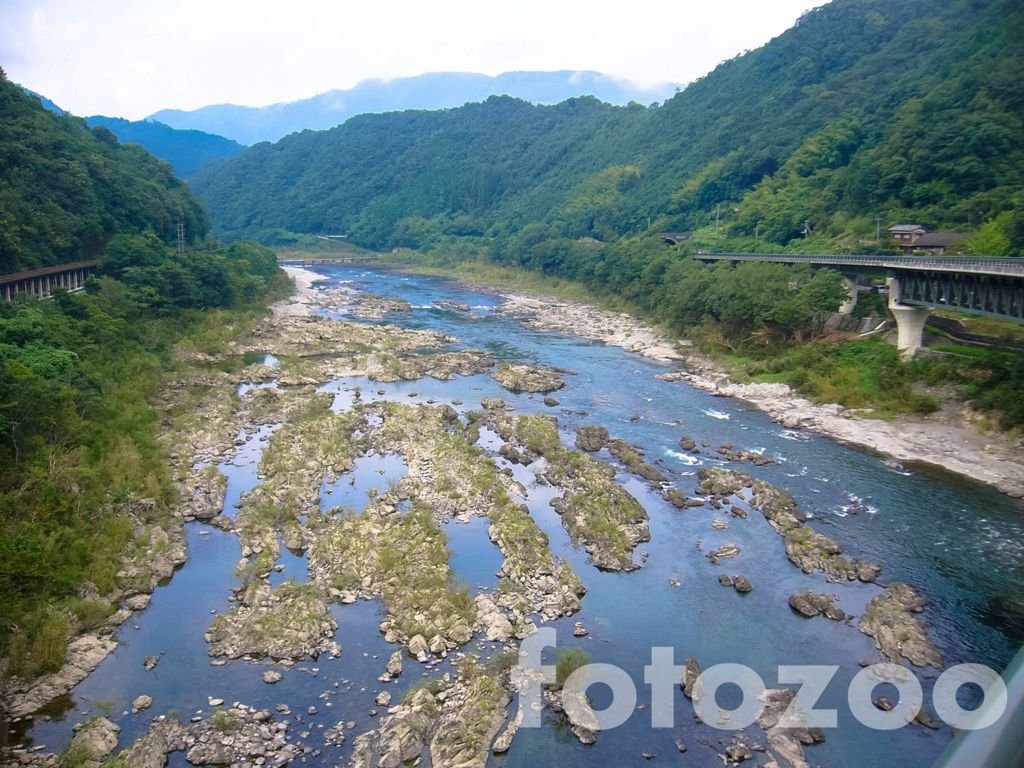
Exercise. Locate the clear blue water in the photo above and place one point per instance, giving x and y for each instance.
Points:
(960, 544)
(351, 491)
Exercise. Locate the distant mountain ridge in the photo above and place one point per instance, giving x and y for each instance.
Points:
(864, 111)
(433, 90)
(186, 150)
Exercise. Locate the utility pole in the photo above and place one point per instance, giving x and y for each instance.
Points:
(717, 219)
(181, 237)
(878, 229)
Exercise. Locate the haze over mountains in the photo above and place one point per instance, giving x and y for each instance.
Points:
(865, 111)
(186, 150)
(433, 90)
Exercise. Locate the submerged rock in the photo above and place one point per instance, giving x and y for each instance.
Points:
(805, 547)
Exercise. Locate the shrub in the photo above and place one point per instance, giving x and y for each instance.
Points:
(567, 661)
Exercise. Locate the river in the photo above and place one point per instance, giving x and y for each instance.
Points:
(960, 544)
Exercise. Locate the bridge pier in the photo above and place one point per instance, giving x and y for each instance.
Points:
(847, 307)
(910, 320)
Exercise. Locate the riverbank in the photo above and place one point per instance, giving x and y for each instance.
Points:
(939, 440)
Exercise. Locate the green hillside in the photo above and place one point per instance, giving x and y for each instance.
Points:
(79, 436)
(864, 109)
(65, 190)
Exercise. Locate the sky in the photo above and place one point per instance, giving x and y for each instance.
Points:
(131, 58)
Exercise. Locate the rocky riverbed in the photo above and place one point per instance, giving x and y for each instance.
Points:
(951, 441)
(563, 497)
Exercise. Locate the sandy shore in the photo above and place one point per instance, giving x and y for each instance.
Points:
(945, 440)
(302, 301)
(991, 459)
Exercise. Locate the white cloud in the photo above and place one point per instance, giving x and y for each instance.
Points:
(132, 58)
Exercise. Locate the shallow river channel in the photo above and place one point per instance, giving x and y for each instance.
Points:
(960, 544)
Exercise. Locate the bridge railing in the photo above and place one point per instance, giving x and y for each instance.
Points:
(994, 266)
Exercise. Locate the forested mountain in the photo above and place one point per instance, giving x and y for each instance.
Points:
(866, 110)
(66, 189)
(433, 90)
(186, 151)
(79, 437)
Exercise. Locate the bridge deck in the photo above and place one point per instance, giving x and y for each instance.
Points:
(969, 265)
(15, 277)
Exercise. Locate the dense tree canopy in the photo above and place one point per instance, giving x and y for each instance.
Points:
(66, 189)
(865, 109)
(78, 435)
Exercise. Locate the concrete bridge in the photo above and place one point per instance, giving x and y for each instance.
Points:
(308, 261)
(918, 284)
(40, 283)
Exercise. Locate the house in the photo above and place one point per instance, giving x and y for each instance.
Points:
(938, 242)
(907, 235)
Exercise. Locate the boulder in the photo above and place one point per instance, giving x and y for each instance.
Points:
(496, 626)
(811, 604)
(890, 620)
(527, 378)
(726, 550)
(742, 584)
(689, 681)
(418, 648)
(591, 438)
(141, 703)
(98, 737)
(394, 667)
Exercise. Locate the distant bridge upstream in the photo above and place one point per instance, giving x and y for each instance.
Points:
(918, 284)
(309, 261)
